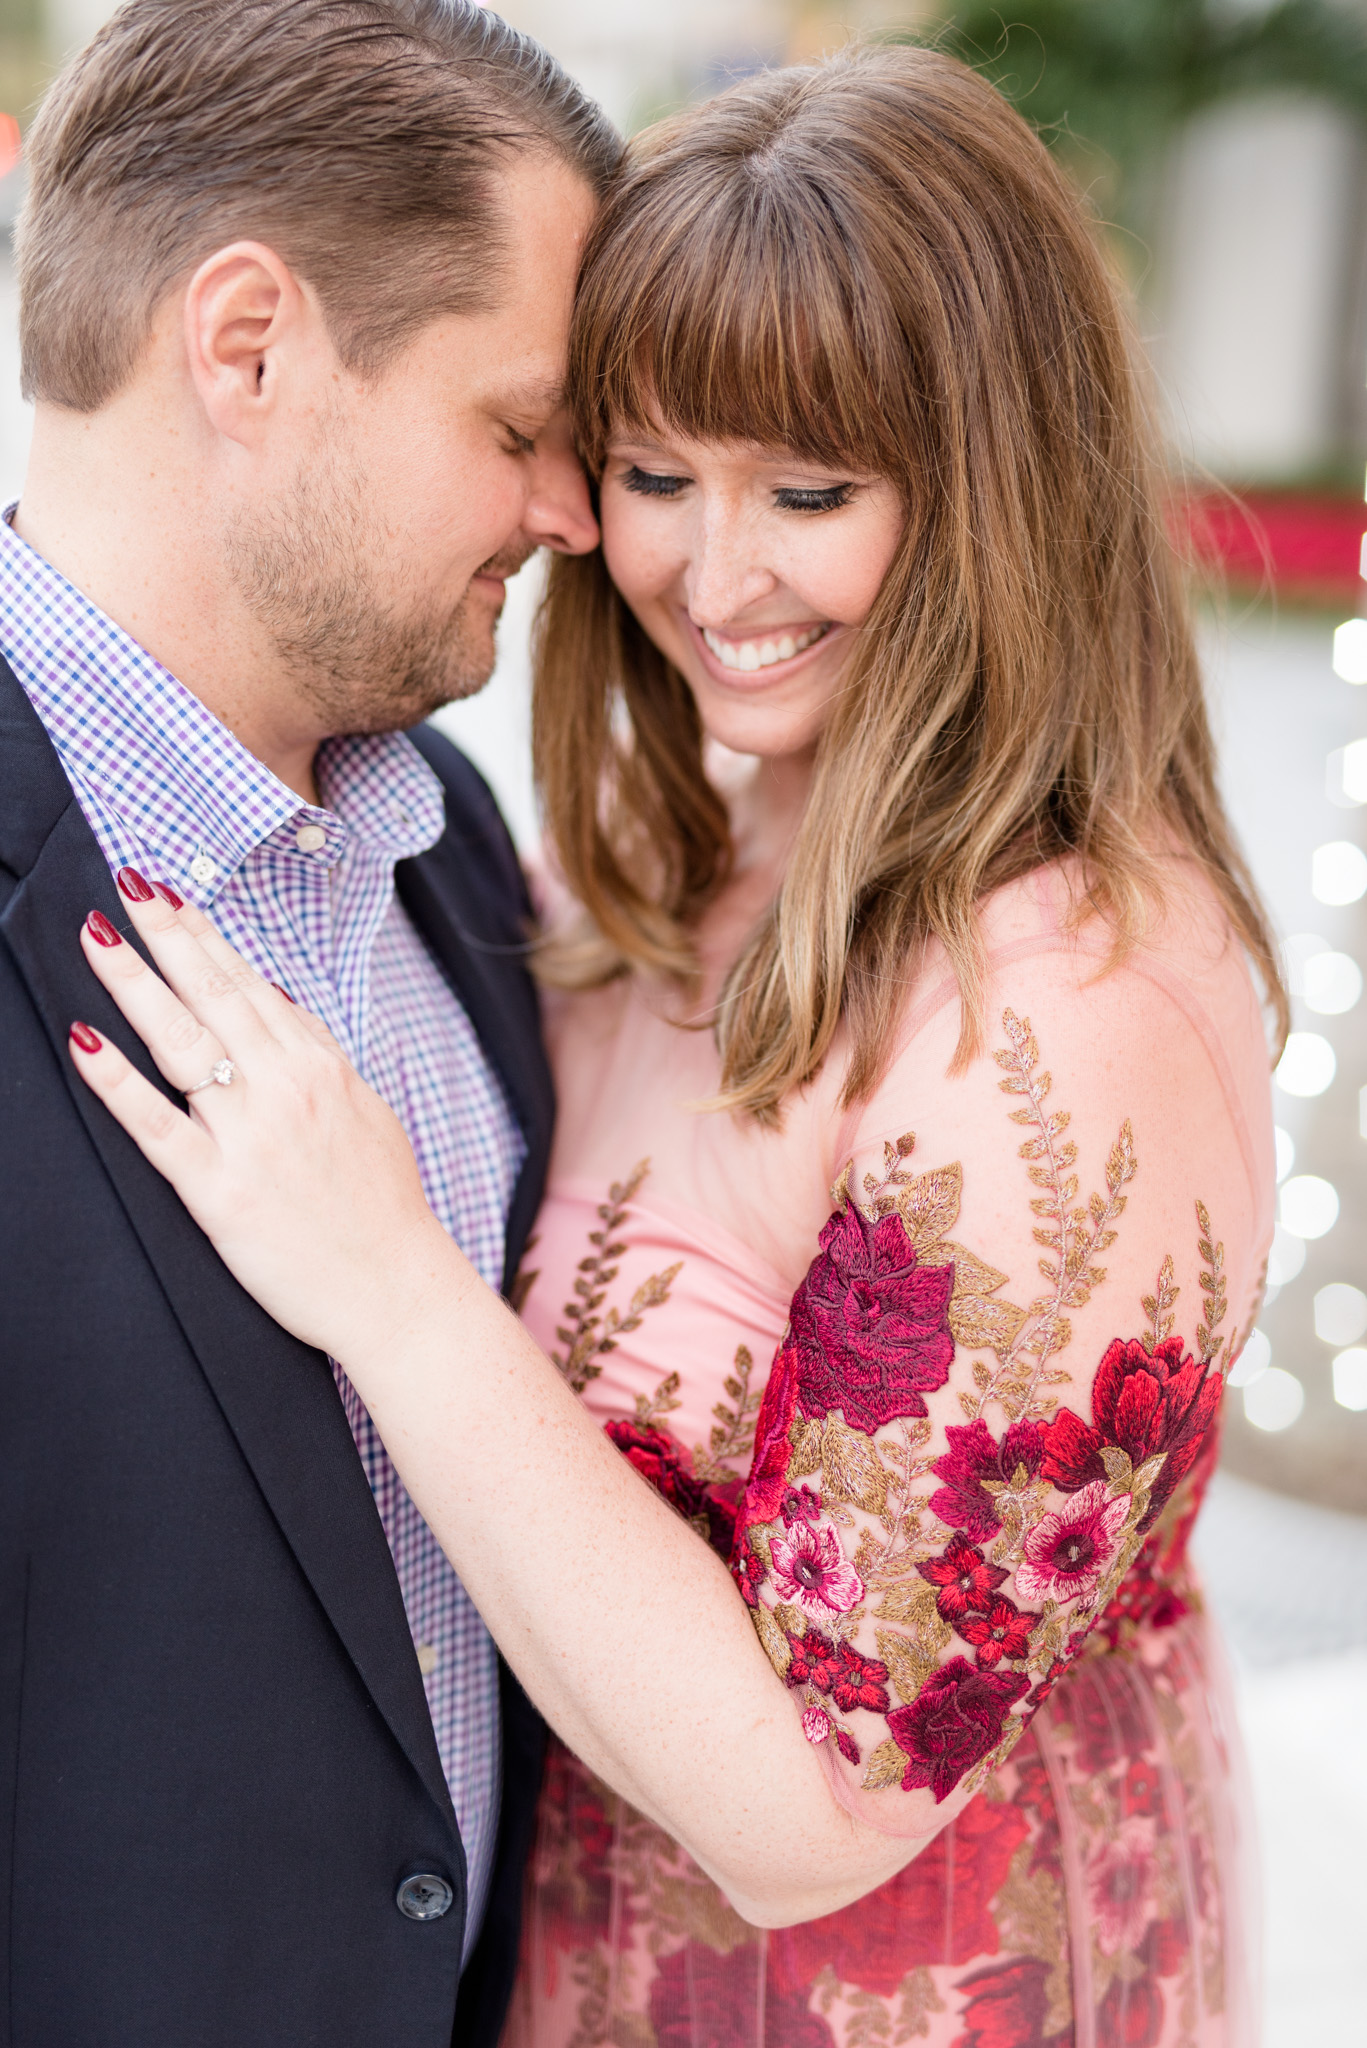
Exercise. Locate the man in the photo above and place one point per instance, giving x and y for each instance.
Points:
(295, 282)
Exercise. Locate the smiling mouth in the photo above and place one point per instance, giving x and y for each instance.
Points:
(748, 655)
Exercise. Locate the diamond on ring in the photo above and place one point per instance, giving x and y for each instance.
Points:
(221, 1075)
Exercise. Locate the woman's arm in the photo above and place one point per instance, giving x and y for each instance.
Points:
(623, 1626)
(861, 1508)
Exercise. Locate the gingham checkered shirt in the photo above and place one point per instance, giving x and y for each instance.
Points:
(168, 790)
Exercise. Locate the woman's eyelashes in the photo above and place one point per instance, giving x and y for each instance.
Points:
(828, 498)
(651, 483)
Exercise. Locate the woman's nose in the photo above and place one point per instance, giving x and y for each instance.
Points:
(722, 578)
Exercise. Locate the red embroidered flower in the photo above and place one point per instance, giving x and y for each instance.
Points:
(748, 1572)
(800, 1504)
(965, 1578)
(1121, 1880)
(973, 1456)
(953, 1723)
(698, 1991)
(1008, 2004)
(1066, 1552)
(871, 1324)
(1144, 1403)
(768, 1479)
(816, 1661)
(810, 1567)
(1002, 1631)
(1142, 1790)
(660, 1460)
(937, 1910)
(860, 1682)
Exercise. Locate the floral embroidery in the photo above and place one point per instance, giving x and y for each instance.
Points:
(955, 1720)
(870, 1324)
(809, 1567)
(586, 1333)
(1016, 1540)
(1066, 1552)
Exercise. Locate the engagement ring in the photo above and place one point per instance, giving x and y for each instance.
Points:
(222, 1075)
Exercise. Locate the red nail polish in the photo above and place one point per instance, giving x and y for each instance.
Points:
(283, 992)
(134, 887)
(82, 1035)
(101, 931)
(168, 895)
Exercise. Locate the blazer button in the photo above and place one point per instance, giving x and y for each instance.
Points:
(424, 1896)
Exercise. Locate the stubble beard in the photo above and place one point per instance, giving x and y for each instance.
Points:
(309, 570)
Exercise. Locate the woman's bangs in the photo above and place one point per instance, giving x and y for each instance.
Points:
(727, 333)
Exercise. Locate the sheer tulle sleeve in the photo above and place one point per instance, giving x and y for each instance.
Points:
(1002, 1368)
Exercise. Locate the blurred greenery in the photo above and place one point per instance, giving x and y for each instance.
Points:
(1110, 82)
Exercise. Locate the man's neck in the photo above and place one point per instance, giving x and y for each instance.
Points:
(136, 535)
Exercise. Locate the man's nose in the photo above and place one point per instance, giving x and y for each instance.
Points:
(559, 513)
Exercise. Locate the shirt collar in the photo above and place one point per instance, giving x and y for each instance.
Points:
(189, 791)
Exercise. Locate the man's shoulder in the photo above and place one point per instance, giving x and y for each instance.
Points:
(475, 830)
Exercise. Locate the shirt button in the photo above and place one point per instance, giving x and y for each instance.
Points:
(424, 1896)
(202, 869)
(310, 838)
(427, 1658)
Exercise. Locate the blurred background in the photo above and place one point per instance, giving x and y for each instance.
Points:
(1223, 145)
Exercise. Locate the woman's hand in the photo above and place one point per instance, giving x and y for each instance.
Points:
(297, 1171)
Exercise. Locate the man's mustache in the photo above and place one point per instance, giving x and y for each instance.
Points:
(507, 562)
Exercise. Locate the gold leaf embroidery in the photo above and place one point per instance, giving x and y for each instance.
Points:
(586, 1333)
(930, 1206)
(981, 1324)
(776, 1645)
(806, 1441)
(885, 1767)
(910, 1663)
(733, 1436)
(912, 1602)
(918, 1999)
(851, 1469)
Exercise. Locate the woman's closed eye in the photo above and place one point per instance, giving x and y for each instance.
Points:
(651, 483)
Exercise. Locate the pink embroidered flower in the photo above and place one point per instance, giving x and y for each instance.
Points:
(956, 1718)
(1144, 1403)
(1066, 1552)
(816, 1724)
(1121, 1879)
(871, 1324)
(810, 1568)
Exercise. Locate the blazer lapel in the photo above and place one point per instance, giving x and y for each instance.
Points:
(467, 897)
(278, 1396)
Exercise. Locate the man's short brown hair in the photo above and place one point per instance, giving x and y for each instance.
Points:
(358, 138)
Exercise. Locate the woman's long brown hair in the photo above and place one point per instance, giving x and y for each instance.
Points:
(876, 263)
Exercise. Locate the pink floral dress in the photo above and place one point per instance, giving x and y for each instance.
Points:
(941, 1376)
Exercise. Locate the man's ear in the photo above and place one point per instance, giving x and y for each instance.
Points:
(245, 313)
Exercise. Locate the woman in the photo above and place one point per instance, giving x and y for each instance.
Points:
(879, 512)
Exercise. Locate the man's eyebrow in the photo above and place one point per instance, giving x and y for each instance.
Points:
(544, 396)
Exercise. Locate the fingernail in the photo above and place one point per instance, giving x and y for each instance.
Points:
(134, 887)
(167, 895)
(102, 932)
(283, 992)
(82, 1035)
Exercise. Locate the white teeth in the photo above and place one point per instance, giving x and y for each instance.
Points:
(749, 655)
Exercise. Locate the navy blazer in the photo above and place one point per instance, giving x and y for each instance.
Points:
(216, 1759)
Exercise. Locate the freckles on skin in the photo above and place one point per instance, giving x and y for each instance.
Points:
(751, 572)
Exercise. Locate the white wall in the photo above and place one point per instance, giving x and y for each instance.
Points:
(1253, 285)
